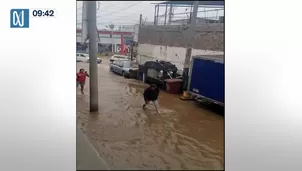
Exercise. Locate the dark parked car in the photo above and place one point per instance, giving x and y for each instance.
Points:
(156, 72)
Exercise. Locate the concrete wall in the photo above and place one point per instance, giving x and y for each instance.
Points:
(169, 42)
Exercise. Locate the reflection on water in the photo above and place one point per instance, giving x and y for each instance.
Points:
(183, 136)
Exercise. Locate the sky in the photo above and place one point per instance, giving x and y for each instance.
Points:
(122, 13)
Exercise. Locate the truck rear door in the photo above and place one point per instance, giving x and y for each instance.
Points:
(207, 79)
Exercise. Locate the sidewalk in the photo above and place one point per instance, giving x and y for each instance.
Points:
(87, 156)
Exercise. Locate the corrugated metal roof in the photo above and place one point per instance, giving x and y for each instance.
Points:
(219, 3)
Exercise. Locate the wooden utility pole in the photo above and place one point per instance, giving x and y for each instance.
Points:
(191, 33)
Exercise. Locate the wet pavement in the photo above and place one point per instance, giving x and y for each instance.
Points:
(87, 156)
(183, 136)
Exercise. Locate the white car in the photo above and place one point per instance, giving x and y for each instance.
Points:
(84, 57)
(119, 57)
(124, 68)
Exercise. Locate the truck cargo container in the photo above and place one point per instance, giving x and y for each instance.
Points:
(206, 78)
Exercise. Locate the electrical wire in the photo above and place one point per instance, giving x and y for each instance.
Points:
(80, 9)
(118, 9)
(103, 6)
(128, 15)
(136, 13)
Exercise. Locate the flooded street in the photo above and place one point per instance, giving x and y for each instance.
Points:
(183, 136)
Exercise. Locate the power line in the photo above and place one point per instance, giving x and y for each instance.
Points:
(105, 6)
(118, 10)
(128, 15)
(115, 19)
(136, 13)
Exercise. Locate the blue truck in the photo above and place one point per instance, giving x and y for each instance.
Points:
(206, 78)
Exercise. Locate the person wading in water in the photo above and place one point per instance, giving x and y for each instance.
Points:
(151, 95)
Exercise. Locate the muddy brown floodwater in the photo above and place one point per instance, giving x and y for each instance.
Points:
(183, 136)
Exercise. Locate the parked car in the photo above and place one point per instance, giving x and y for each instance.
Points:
(118, 57)
(84, 57)
(124, 68)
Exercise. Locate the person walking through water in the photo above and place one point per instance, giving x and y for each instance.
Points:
(81, 79)
(151, 95)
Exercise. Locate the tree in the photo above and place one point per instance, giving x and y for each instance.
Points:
(111, 26)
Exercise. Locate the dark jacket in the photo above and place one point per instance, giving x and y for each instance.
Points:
(151, 95)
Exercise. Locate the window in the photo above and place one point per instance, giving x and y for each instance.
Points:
(126, 64)
(83, 55)
(160, 74)
(152, 73)
(120, 64)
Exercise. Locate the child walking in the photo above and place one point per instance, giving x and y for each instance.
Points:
(151, 95)
(81, 79)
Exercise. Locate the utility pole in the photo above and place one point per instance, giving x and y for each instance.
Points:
(131, 51)
(84, 26)
(155, 14)
(112, 40)
(93, 66)
(190, 37)
(140, 19)
(111, 26)
(170, 14)
(132, 43)
(166, 13)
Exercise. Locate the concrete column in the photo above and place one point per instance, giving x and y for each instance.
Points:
(191, 31)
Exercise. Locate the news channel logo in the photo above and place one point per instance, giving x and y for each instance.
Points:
(19, 18)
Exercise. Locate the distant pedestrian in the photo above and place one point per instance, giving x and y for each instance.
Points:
(81, 79)
(151, 95)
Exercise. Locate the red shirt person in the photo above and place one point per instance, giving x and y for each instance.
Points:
(81, 79)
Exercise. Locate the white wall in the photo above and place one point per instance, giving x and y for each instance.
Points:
(175, 55)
